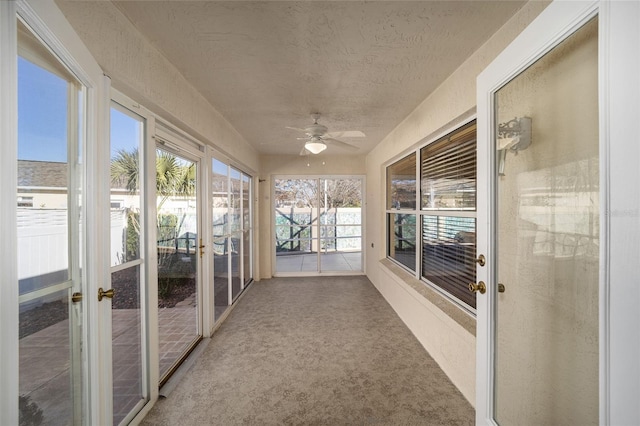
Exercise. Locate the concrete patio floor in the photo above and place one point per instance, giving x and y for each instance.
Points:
(332, 261)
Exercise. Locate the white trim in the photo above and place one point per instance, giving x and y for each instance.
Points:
(620, 114)
(558, 21)
(8, 184)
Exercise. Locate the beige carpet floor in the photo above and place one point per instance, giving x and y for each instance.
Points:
(313, 351)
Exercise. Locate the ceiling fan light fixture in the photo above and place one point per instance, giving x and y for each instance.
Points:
(315, 146)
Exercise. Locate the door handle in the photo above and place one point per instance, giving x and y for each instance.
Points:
(76, 297)
(109, 293)
(481, 260)
(201, 247)
(480, 287)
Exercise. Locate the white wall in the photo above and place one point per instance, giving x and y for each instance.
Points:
(448, 105)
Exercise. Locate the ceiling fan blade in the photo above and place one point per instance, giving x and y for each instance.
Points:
(341, 144)
(346, 134)
(296, 128)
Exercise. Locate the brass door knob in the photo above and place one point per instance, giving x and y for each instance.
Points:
(500, 288)
(109, 293)
(76, 297)
(480, 287)
(481, 260)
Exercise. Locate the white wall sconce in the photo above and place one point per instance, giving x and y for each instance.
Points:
(514, 136)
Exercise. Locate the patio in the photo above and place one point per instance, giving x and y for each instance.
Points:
(45, 360)
(333, 261)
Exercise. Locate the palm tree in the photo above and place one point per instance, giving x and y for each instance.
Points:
(173, 179)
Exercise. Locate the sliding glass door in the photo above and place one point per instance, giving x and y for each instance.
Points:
(232, 234)
(318, 225)
(178, 248)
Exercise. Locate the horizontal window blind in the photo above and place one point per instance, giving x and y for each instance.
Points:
(448, 172)
(448, 254)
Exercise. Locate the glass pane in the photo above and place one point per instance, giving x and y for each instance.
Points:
(246, 226)
(46, 393)
(127, 132)
(220, 194)
(246, 256)
(402, 238)
(340, 219)
(236, 285)
(126, 317)
(127, 136)
(235, 211)
(177, 258)
(448, 254)
(548, 246)
(220, 276)
(401, 184)
(296, 193)
(296, 202)
(49, 191)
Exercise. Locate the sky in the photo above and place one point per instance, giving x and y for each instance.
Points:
(42, 117)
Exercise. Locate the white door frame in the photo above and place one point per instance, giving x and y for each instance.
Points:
(51, 26)
(619, 110)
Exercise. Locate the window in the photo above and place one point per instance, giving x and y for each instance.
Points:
(401, 196)
(447, 213)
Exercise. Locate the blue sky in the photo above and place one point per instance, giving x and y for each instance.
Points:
(42, 114)
(42, 117)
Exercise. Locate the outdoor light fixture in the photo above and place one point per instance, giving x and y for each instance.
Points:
(315, 146)
(514, 136)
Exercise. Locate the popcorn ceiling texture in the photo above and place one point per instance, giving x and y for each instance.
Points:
(313, 351)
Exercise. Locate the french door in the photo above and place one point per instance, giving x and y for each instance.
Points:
(129, 289)
(546, 333)
(49, 234)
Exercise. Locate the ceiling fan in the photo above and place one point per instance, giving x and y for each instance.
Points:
(318, 137)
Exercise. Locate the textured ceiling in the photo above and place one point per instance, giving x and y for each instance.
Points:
(363, 65)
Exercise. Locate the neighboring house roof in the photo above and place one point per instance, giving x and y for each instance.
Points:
(47, 174)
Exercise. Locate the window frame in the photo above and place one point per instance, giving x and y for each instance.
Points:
(420, 213)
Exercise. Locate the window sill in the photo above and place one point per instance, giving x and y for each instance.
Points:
(462, 318)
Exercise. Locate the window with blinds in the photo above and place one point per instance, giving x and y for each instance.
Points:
(448, 254)
(441, 219)
(448, 200)
(448, 172)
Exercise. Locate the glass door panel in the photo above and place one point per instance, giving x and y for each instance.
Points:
(246, 230)
(235, 222)
(340, 225)
(130, 390)
(220, 217)
(296, 215)
(49, 224)
(548, 239)
(178, 255)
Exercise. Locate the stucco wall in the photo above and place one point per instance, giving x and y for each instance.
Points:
(141, 72)
(448, 105)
